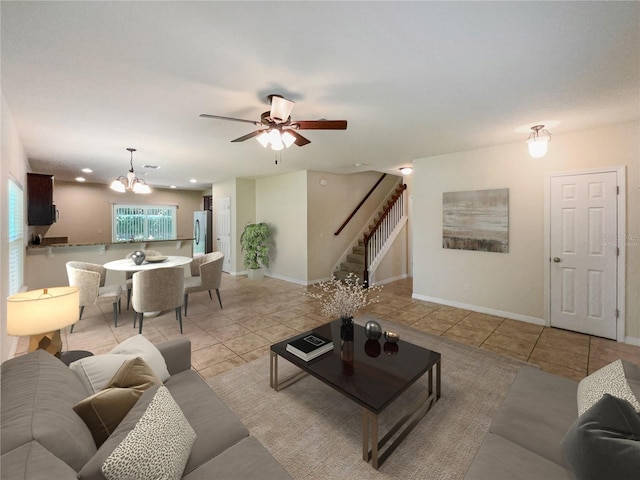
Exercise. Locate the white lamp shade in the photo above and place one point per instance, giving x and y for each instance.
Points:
(263, 138)
(280, 108)
(288, 139)
(42, 311)
(538, 146)
(118, 186)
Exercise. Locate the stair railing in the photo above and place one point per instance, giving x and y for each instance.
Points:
(360, 204)
(375, 240)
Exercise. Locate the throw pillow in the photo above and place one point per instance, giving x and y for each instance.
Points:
(97, 370)
(158, 447)
(103, 411)
(609, 379)
(604, 442)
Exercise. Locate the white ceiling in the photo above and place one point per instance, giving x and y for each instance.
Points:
(86, 80)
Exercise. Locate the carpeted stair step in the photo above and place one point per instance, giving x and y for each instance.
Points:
(355, 258)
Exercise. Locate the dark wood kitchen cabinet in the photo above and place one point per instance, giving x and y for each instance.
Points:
(40, 207)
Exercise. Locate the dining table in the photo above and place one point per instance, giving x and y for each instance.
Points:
(128, 265)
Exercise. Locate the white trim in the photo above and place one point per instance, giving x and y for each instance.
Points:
(393, 279)
(287, 279)
(632, 341)
(476, 308)
(620, 172)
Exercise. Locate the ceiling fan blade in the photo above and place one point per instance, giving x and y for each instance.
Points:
(280, 108)
(320, 124)
(300, 140)
(206, 115)
(248, 136)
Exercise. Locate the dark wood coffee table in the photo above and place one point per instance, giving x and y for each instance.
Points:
(373, 374)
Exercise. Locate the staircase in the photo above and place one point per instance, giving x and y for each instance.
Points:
(377, 235)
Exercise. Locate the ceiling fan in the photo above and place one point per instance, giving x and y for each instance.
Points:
(278, 129)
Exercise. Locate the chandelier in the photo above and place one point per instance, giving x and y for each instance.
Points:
(130, 182)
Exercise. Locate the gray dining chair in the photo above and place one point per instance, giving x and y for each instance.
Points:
(206, 275)
(128, 275)
(90, 279)
(156, 290)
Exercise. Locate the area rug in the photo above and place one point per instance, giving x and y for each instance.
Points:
(316, 433)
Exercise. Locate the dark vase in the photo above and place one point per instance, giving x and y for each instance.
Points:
(346, 329)
(138, 257)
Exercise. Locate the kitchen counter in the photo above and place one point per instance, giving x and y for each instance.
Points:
(45, 265)
(135, 242)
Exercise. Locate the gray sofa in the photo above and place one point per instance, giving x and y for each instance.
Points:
(525, 437)
(43, 437)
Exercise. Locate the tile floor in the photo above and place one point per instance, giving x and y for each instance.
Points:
(257, 314)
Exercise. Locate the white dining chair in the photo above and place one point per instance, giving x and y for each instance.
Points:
(156, 290)
(128, 282)
(206, 275)
(90, 279)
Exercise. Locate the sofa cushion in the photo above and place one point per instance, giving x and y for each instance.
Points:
(157, 447)
(38, 394)
(32, 461)
(499, 459)
(537, 412)
(609, 379)
(103, 411)
(244, 460)
(217, 427)
(604, 442)
(97, 370)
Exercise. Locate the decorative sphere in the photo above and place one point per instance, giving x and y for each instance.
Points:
(373, 330)
(391, 337)
(138, 257)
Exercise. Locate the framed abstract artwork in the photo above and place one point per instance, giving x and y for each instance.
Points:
(476, 220)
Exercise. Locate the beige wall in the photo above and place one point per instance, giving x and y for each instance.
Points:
(85, 210)
(281, 202)
(241, 193)
(514, 283)
(13, 165)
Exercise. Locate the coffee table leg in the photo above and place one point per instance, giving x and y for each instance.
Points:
(273, 374)
(366, 416)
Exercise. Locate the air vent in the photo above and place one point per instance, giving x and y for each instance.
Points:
(154, 167)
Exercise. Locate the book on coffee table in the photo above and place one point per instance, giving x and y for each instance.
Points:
(310, 346)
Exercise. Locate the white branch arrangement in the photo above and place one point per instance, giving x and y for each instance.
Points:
(343, 299)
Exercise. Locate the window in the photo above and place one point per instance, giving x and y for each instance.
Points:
(143, 222)
(16, 237)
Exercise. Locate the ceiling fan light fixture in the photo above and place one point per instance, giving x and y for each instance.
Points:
(288, 139)
(280, 108)
(276, 142)
(263, 138)
(131, 182)
(538, 141)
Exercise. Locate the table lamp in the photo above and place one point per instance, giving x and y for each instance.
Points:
(41, 314)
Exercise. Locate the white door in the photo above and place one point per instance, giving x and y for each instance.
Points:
(584, 251)
(223, 230)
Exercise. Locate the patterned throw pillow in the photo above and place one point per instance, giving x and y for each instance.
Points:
(157, 448)
(609, 379)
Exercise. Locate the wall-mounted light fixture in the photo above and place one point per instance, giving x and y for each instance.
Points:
(406, 170)
(538, 141)
(130, 182)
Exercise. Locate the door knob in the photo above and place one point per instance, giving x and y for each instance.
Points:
(556, 259)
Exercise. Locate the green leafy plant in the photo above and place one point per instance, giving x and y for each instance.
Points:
(255, 242)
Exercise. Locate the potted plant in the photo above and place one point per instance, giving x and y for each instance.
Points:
(255, 245)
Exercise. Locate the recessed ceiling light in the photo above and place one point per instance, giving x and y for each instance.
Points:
(87, 170)
(172, 186)
(193, 180)
(80, 179)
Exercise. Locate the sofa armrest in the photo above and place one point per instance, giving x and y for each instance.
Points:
(177, 354)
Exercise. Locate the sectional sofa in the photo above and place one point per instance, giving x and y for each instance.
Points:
(44, 438)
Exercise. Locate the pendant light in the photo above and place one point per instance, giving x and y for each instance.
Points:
(538, 141)
(130, 182)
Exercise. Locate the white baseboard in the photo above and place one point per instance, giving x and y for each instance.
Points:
(297, 281)
(476, 308)
(392, 279)
(632, 341)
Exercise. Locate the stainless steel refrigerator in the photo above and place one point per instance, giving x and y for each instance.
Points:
(202, 237)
